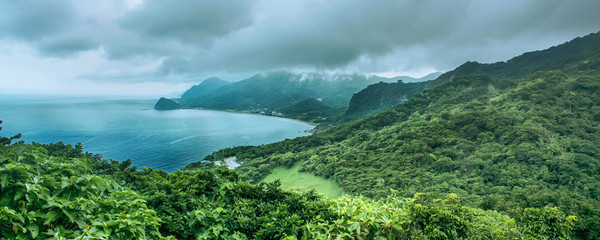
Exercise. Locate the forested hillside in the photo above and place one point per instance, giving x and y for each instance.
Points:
(55, 191)
(206, 86)
(312, 110)
(497, 142)
(378, 97)
(275, 90)
(295, 95)
(283, 94)
(567, 56)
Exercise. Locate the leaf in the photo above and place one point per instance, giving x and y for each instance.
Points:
(69, 214)
(14, 215)
(4, 180)
(51, 217)
(81, 223)
(34, 229)
(18, 195)
(5, 200)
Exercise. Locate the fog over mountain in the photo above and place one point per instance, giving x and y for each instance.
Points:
(155, 47)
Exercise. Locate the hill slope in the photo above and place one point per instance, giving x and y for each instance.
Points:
(57, 191)
(311, 110)
(166, 104)
(497, 142)
(378, 97)
(566, 56)
(277, 90)
(206, 86)
(284, 92)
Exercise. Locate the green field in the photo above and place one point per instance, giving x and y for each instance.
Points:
(292, 179)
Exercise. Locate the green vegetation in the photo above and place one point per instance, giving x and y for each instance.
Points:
(55, 191)
(291, 179)
(276, 90)
(426, 218)
(311, 110)
(497, 144)
(206, 86)
(381, 96)
(44, 196)
(8, 140)
(277, 93)
(502, 141)
(567, 57)
(494, 152)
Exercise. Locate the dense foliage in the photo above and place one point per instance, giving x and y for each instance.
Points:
(426, 218)
(55, 191)
(568, 56)
(311, 110)
(497, 142)
(380, 96)
(43, 196)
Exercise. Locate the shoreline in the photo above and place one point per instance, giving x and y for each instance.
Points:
(310, 124)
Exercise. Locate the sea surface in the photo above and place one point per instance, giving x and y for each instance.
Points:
(123, 129)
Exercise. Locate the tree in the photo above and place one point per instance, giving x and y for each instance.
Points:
(7, 140)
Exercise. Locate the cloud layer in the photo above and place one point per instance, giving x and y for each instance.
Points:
(191, 39)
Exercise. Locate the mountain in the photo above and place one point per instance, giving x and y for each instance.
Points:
(166, 104)
(567, 57)
(206, 86)
(277, 92)
(378, 97)
(273, 91)
(518, 134)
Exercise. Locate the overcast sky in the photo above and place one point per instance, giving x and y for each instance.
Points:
(157, 47)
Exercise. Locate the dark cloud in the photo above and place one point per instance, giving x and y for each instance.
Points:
(194, 38)
(33, 20)
(66, 45)
(189, 20)
(335, 34)
(53, 27)
(328, 34)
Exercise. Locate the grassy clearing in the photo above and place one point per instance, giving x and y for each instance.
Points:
(292, 179)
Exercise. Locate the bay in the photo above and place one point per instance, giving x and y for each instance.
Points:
(123, 129)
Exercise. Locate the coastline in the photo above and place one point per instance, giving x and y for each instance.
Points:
(310, 124)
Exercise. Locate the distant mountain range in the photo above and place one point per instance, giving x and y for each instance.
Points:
(280, 93)
(353, 96)
(427, 77)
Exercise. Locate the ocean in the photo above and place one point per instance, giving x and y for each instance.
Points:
(122, 129)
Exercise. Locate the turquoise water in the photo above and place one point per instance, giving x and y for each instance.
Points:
(131, 129)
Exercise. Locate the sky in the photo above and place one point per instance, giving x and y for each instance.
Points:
(161, 48)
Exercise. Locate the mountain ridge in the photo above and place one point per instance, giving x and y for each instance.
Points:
(206, 86)
(497, 141)
(380, 96)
